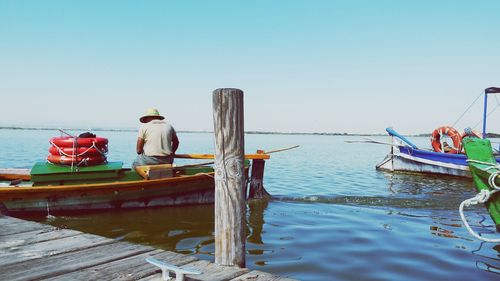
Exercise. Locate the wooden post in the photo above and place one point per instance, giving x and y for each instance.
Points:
(257, 190)
(229, 177)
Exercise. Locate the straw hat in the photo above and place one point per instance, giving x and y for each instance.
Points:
(151, 112)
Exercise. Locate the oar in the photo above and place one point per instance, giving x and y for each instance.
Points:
(193, 165)
(263, 155)
(64, 132)
(281, 149)
(211, 156)
(370, 140)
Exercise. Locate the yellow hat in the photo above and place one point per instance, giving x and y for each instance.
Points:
(151, 112)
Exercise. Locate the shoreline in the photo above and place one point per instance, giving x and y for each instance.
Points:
(488, 135)
(181, 131)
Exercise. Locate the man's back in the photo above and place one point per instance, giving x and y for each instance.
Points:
(157, 136)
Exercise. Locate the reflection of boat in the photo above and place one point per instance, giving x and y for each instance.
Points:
(407, 157)
(49, 187)
(485, 173)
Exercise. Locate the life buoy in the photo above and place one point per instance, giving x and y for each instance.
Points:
(78, 151)
(83, 142)
(80, 161)
(452, 133)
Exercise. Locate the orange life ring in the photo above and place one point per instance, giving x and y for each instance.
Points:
(452, 133)
(80, 151)
(69, 141)
(82, 161)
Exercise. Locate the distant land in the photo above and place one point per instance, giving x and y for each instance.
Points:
(135, 129)
(488, 135)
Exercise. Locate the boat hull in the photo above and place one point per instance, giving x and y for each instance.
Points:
(406, 159)
(184, 190)
(483, 167)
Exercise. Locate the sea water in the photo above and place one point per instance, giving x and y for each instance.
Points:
(332, 216)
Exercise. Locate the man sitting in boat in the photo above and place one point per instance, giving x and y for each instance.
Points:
(156, 141)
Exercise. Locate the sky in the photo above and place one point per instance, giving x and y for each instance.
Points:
(329, 66)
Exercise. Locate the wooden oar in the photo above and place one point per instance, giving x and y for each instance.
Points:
(15, 174)
(211, 156)
(281, 149)
(370, 140)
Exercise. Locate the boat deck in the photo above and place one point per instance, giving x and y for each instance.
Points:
(30, 250)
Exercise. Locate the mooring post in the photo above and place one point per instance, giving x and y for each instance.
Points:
(257, 190)
(229, 177)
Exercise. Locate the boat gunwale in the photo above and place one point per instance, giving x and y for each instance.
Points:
(108, 185)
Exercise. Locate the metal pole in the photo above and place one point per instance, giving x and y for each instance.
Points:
(484, 113)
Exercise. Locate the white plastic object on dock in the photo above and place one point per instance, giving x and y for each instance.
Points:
(166, 267)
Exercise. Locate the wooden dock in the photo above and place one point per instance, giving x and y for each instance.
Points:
(34, 251)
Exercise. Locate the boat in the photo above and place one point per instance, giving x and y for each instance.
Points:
(485, 173)
(51, 188)
(405, 156)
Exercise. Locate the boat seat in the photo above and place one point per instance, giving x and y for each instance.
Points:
(151, 172)
(166, 267)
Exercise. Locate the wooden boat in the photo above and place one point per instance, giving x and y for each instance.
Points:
(53, 188)
(405, 156)
(485, 173)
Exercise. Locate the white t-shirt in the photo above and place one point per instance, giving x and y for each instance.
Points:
(157, 136)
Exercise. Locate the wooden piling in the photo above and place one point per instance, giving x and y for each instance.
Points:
(257, 190)
(229, 177)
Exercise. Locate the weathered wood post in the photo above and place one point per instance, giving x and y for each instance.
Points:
(257, 190)
(229, 177)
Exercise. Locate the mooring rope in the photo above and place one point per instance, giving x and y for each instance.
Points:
(482, 197)
(467, 110)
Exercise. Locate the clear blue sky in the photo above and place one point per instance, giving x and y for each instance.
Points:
(305, 66)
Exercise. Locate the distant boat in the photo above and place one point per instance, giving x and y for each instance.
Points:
(405, 156)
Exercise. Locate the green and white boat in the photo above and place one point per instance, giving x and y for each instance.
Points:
(50, 188)
(485, 172)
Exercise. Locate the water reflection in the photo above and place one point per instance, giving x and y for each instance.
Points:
(187, 230)
(255, 221)
(485, 262)
(427, 184)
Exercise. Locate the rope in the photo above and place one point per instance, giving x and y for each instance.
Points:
(75, 147)
(74, 157)
(487, 115)
(467, 109)
(482, 197)
(61, 152)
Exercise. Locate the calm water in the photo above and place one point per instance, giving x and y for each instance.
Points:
(334, 217)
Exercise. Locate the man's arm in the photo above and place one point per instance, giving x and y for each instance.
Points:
(140, 146)
(175, 143)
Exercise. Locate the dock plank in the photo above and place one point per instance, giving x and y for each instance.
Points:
(210, 271)
(257, 275)
(12, 226)
(35, 236)
(33, 251)
(73, 261)
(48, 248)
(131, 268)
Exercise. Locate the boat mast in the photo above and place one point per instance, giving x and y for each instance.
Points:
(484, 112)
(490, 90)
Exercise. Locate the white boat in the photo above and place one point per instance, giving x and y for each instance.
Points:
(405, 156)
